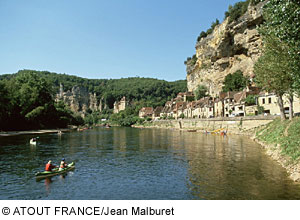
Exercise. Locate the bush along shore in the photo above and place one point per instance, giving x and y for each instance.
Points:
(281, 141)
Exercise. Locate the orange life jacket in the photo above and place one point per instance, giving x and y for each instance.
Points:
(49, 167)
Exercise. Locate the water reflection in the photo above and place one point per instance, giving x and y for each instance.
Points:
(127, 163)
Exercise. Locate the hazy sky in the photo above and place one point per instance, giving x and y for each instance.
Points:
(104, 39)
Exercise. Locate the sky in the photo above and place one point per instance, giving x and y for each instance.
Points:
(103, 39)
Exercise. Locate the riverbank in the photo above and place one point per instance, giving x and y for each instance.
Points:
(279, 139)
(236, 125)
(281, 142)
(42, 131)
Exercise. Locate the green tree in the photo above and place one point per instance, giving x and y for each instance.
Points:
(235, 82)
(281, 38)
(201, 92)
(282, 20)
(4, 105)
(273, 70)
(250, 100)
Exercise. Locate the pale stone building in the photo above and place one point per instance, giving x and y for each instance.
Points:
(156, 112)
(269, 102)
(121, 105)
(146, 112)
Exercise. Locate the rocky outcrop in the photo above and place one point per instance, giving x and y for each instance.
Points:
(79, 100)
(231, 47)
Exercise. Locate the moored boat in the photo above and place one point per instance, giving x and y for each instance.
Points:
(32, 141)
(55, 171)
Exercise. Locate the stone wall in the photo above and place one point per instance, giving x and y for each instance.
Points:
(238, 125)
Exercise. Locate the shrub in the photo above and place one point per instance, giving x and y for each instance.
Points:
(235, 82)
(200, 92)
(238, 9)
(250, 100)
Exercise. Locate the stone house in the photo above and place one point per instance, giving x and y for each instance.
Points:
(188, 111)
(229, 104)
(146, 112)
(179, 109)
(234, 103)
(218, 107)
(269, 102)
(167, 110)
(156, 112)
(203, 108)
(185, 97)
(121, 105)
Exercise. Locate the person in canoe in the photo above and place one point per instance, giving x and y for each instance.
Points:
(63, 164)
(49, 166)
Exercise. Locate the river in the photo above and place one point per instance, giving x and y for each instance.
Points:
(131, 163)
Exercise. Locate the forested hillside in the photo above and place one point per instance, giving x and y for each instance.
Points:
(27, 97)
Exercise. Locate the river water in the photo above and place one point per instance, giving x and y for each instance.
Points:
(131, 163)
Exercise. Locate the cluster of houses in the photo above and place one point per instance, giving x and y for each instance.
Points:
(228, 104)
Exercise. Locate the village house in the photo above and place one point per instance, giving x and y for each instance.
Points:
(146, 112)
(179, 109)
(188, 111)
(269, 102)
(234, 103)
(185, 97)
(228, 104)
(167, 110)
(218, 108)
(156, 112)
(121, 105)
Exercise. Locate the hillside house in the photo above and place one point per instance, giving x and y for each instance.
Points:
(146, 112)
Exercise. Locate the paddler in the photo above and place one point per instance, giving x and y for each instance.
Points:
(49, 166)
(63, 164)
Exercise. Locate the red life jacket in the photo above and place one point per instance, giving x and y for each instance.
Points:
(49, 167)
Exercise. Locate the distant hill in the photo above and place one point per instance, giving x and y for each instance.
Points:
(151, 92)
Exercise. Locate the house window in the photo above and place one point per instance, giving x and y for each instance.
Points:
(263, 101)
(270, 100)
(210, 109)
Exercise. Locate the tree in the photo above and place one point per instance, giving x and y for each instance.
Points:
(200, 92)
(235, 82)
(280, 62)
(4, 105)
(282, 20)
(250, 100)
(272, 70)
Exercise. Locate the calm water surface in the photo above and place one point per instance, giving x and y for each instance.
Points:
(129, 163)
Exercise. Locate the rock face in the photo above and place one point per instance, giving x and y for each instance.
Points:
(79, 100)
(231, 47)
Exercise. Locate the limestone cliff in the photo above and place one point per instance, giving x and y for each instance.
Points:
(79, 100)
(231, 47)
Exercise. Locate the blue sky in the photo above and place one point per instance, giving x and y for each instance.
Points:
(104, 39)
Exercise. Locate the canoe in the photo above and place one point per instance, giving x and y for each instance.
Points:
(55, 171)
(32, 142)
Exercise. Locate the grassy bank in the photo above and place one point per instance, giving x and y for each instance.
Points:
(283, 135)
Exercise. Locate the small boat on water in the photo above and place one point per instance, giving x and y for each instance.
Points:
(55, 171)
(32, 141)
(192, 130)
